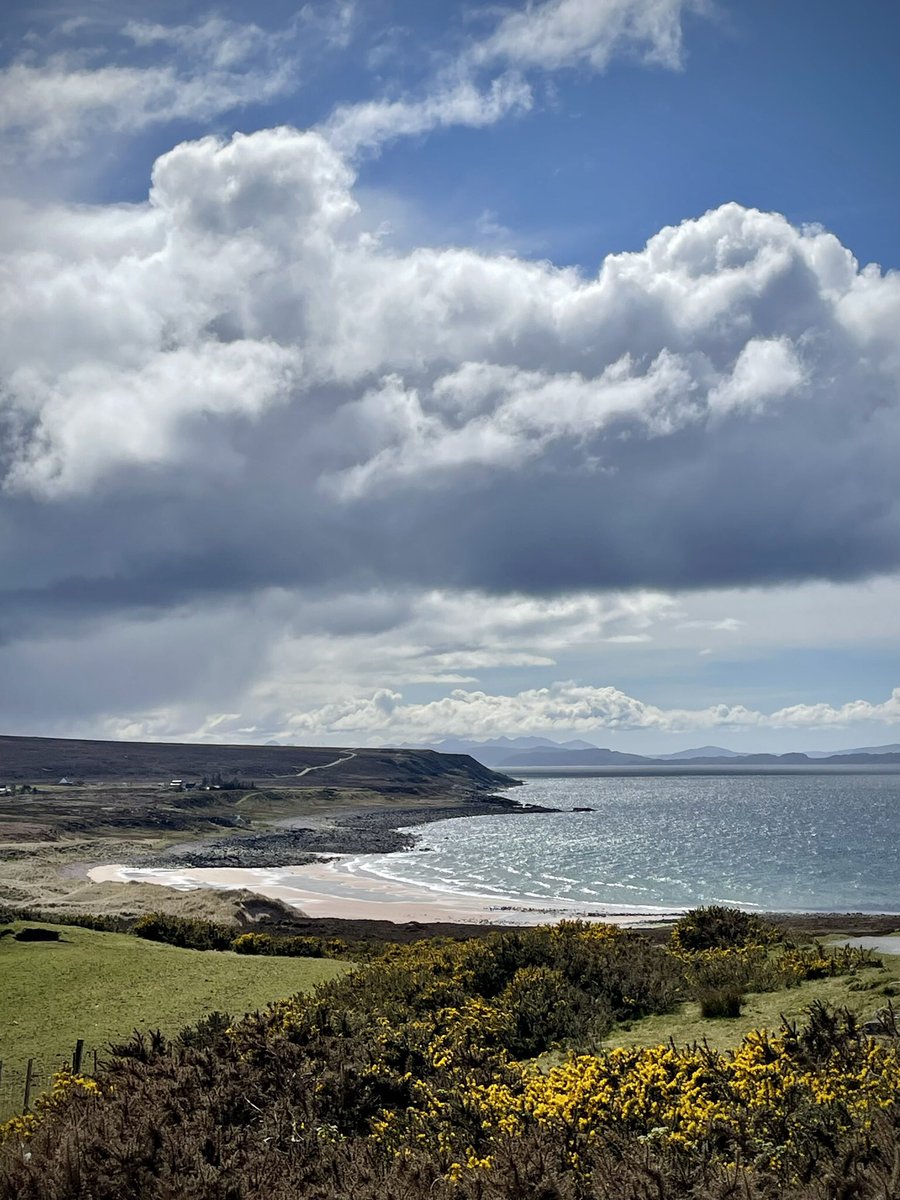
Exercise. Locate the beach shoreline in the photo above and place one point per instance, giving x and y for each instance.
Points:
(58, 873)
(306, 851)
(329, 901)
(317, 891)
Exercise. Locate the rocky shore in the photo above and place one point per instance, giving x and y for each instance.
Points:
(375, 831)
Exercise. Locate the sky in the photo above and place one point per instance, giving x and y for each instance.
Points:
(377, 372)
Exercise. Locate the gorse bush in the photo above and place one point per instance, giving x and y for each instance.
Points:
(194, 934)
(292, 946)
(104, 924)
(546, 1009)
(414, 1077)
(757, 968)
(208, 1031)
(717, 927)
(184, 932)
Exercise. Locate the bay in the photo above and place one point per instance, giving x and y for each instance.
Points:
(799, 842)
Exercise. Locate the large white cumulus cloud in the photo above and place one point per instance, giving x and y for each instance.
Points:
(241, 364)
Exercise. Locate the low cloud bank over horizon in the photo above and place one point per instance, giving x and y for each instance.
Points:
(408, 665)
(565, 708)
(560, 711)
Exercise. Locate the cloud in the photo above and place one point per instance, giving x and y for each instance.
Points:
(570, 33)
(244, 388)
(54, 106)
(166, 673)
(561, 709)
(220, 43)
(724, 625)
(511, 416)
(100, 415)
(765, 371)
(301, 665)
(548, 37)
(355, 127)
(234, 415)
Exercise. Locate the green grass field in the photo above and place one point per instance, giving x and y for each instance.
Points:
(101, 986)
(862, 993)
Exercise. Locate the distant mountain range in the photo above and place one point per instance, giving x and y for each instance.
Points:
(700, 752)
(514, 749)
(506, 753)
(894, 748)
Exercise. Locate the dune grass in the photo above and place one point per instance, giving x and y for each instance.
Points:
(101, 986)
(863, 992)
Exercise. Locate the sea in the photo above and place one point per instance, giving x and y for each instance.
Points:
(654, 843)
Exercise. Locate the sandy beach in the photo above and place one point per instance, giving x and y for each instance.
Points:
(319, 890)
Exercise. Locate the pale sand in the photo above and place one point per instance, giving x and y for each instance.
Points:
(318, 891)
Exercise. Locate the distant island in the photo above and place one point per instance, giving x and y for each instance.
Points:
(521, 753)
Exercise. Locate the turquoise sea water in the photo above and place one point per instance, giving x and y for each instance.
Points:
(779, 842)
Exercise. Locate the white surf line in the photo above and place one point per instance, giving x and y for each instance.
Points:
(322, 766)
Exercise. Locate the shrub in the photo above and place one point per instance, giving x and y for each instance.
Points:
(717, 927)
(254, 943)
(546, 1010)
(721, 1001)
(35, 934)
(184, 932)
(116, 924)
(195, 934)
(746, 968)
(209, 1031)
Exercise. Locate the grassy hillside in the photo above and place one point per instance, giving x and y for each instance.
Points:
(46, 760)
(863, 993)
(101, 986)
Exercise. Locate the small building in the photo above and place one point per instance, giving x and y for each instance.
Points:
(177, 785)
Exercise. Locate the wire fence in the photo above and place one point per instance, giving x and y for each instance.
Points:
(22, 1080)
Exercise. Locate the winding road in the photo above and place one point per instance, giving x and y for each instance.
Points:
(324, 766)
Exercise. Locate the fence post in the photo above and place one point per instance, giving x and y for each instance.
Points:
(77, 1056)
(29, 1075)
